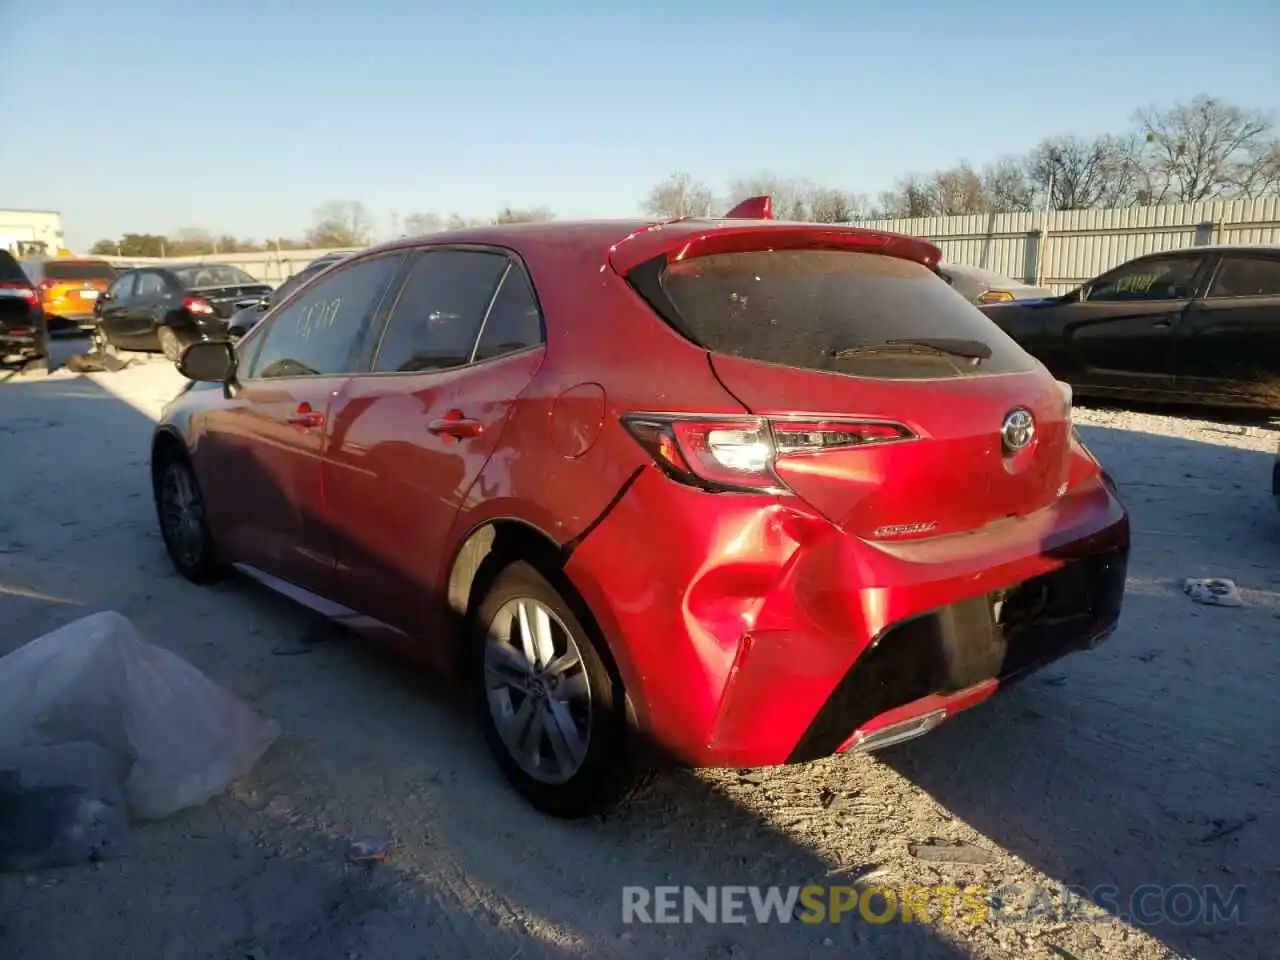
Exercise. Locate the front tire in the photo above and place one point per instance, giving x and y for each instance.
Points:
(553, 712)
(183, 524)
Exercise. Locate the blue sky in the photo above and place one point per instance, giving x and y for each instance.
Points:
(243, 116)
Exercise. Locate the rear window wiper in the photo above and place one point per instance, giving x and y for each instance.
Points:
(968, 349)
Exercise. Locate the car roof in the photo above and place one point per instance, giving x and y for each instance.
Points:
(644, 239)
(1267, 248)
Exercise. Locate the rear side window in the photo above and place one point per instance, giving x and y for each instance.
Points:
(1247, 277)
(513, 322)
(860, 314)
(437, 316)
(78, 270)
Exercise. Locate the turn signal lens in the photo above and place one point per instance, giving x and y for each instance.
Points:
(996, 296)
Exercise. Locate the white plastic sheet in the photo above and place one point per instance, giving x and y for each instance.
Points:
(179, 737)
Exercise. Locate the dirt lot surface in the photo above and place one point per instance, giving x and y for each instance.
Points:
(1152, 760)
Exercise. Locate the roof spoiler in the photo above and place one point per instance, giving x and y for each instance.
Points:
(752, 208)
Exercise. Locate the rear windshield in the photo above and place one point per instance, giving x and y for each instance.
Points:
(861, 314)
(78, 270)
(212, 275)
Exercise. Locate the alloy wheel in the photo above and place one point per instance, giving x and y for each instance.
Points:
(182, 514)
(537, 689)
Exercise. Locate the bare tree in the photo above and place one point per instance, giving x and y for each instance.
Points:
(1206, 149)
(910, 199)
(828, 205)
(524, 215)
(1007, 187)
(341, 223)
(1261, 173)
(679, 195)
(957, 192)
(416, 224)
(790, 197)
(1070, 173)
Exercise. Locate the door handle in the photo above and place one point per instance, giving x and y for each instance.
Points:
(304, 416)
(1162, 323)
(456, 424)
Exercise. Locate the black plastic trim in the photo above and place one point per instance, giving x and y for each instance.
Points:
(953, 647)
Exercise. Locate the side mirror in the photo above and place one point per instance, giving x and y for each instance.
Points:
(264, 303)
(1078, 295)
(106, 295)
(208, 361)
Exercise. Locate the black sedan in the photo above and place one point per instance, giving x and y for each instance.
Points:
(247, 317)
(166, 308)
(1196, 325)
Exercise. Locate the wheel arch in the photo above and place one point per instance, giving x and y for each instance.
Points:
(165, 442)
(498, 541)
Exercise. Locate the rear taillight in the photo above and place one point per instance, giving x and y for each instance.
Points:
(23, 291)
(196, 305)
(996, 296)
(739, 453)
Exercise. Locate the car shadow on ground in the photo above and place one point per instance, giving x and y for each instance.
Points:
(370, 748)
(1148, 764)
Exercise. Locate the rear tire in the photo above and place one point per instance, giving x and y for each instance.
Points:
(100, 341)
(170, 345)
(183, 524)
(558, 726)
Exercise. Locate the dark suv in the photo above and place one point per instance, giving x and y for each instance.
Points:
(21, 318)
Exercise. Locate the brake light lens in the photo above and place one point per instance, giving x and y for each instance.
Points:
(739, 453)
(23, 291)
(996, 296)
(196, 305)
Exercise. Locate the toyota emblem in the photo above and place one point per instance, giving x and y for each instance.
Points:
(1018, 430)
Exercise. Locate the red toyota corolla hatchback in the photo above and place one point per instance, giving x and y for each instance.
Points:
(712, 492)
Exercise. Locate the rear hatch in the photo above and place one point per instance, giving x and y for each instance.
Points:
(228, 300)
(71, 287)
(17, 298)
(223, 287)
(820, 340)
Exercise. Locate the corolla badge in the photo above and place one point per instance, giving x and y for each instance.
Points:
(1018, 430)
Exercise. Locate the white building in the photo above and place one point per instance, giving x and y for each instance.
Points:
(18, 228)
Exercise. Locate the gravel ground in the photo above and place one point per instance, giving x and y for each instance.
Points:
(1152, 760)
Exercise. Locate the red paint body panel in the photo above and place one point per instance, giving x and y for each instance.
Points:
(733, 618)
(393, 488)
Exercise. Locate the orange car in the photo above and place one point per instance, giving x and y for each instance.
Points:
(68, 289)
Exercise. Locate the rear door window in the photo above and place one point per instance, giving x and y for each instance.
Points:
(149, 285)
(437, 316)
(1246, 277)
(860, 314)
